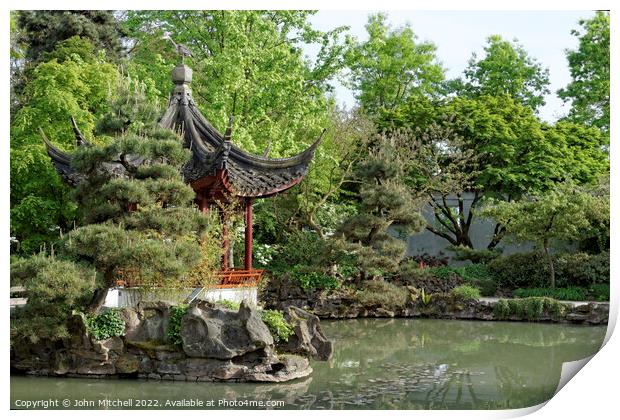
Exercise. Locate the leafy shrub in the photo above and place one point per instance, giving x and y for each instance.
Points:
(562, 293)
(523, 270)
(426, 260)
(531, 270)
(474, 272)
(379, 293)
(303, 249)
(229, 304)
(582, 269)
(312, 280)
(425, 298)
(105, 325)
(466, 292)
(476, 256)
(530, 308)
(279, 328)
(599, 292)
(409, 274)
(174, 324)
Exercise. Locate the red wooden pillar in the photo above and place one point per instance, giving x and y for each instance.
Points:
(203, 203)
(248, 233)
(225, 242)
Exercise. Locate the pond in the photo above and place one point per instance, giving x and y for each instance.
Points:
(377, 364)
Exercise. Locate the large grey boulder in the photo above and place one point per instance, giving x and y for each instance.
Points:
(148, 321)
(211, 332)
(308, 338)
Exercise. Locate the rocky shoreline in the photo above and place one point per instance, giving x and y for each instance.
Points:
(343, 305)
(218, 344)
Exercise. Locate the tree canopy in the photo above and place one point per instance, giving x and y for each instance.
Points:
(505, 69)
(588, 91)
(391, 66)
(77, 83)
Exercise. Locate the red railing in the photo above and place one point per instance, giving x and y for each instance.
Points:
(239, 278)
(227, 279)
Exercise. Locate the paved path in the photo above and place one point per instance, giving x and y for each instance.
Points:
(568, 302)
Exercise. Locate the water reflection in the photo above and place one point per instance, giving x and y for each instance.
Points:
(391, 363)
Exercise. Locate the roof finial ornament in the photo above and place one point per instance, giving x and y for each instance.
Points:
(182, 50)
(228, 133)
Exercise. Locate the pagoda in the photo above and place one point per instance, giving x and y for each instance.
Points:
(218, 171)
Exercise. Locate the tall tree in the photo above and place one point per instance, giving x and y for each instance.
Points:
(505, 69)
(498, 149)
(391, 66)
(75, 82)
(589, 64)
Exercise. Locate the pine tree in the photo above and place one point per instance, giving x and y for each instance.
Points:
(388, 207)
(138, 211)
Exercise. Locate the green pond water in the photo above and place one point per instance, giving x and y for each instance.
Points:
(377, 364)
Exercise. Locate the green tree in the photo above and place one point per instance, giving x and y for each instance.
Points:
(563, 213)
(75, 82)
(499, 149)
(247, 64)
(505, 69)
(140, 217)
(42, 30)
(589, 64)
(391, 66)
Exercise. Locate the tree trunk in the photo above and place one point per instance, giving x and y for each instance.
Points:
(550, 259)
(100, 294)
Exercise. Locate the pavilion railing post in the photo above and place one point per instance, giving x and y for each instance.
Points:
(248, 233)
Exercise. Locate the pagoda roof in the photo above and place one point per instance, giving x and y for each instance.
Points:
(216, 163)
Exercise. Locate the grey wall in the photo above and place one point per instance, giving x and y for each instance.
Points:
(481, 232)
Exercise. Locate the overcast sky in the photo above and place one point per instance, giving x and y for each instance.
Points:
(544, 35)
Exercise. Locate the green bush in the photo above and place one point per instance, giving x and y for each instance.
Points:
(312, 280)
(476, 256)
(430, 279)
(562, 293)
(105, 325)
(465, 292)
(599, 292)
(174, 324)
(55, 288)
(531, 270)
(524, 270)
(582, 269)
(530, 308)
(444, 272)
(279, 328)
(379, 293)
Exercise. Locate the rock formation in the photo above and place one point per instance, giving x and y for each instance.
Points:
(218, 344)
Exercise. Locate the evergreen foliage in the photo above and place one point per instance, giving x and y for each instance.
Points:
(54, 288)
(386, 203)
(139, 219)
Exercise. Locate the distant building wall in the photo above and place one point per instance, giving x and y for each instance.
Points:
(481, 233)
